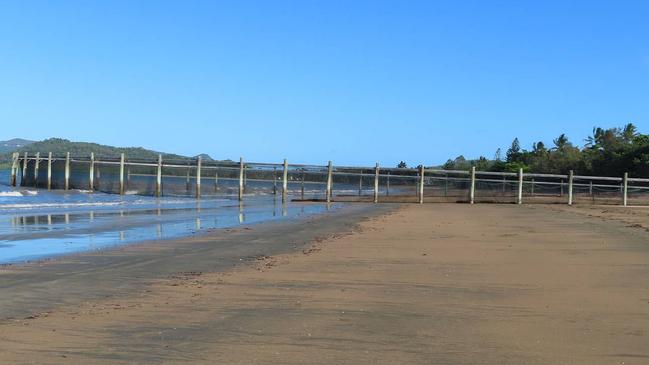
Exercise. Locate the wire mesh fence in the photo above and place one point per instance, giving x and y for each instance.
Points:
(196, 178)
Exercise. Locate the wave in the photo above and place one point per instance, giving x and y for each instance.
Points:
(18, 193)
(58, 205)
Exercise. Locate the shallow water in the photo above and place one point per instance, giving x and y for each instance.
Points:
(37, 224)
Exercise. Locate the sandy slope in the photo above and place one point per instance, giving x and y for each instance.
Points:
(432, 284)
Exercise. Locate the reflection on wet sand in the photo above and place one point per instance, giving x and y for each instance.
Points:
(25, 236)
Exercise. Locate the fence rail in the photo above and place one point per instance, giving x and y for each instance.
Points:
(199, 177)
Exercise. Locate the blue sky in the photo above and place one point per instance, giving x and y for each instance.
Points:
(351, 81)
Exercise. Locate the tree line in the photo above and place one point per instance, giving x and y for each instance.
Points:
(606, 152)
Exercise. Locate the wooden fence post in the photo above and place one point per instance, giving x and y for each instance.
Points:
(14, 168)
(24, 173)
(36, 163)
(520, 186)
(329, 181)
(199, 164)
(302, 192)
(285, 180)
(91, 172)
(158, 179)
(216, 180)
(421, 184)
(49, 171)
(571, 178)
(67, 171)
(625, 192)
(376, 183)
(472, 189)
(121, 174)
(245, 177)
(240, 178)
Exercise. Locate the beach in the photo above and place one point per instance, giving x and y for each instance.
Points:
(380, 284)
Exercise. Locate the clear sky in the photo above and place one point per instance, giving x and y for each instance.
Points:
(351, 81)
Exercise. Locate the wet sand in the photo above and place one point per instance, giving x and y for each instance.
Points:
(411, 284)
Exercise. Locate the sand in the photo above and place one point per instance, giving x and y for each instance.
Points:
(413, 284)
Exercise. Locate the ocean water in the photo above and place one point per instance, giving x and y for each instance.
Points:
(39, 224)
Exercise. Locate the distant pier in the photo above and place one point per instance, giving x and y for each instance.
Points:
(239, 179)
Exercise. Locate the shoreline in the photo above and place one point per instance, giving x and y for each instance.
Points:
(86, 275)
(33, 235)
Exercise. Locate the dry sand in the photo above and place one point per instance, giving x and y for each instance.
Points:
(431, 284)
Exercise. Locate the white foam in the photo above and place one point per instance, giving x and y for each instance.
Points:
(57, 205)
(10, 193)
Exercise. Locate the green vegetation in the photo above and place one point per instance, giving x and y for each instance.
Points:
(607, 152)
(59, 147)
(13, 144)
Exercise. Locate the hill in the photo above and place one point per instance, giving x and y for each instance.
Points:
(13, 144)
(59, 146)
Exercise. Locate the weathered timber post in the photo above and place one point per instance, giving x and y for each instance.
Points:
(302, 185)
(91, 172)
(472, 189)
(376, 183)
(625, 192)
(216, 180)
(36, 163)
(571, 179)
(121, 174)
(590, 188)
(158, 178)
(67, 171)
(561, 192)
(504, 184)
(329, 181)
(199, 164)
(240, 178)
(245, 177)
(421, 184)
(14, 168)
(284, 180)
(520, 186)
(49, 171)
(24, 173)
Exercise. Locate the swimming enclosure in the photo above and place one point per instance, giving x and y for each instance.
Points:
(198, 177)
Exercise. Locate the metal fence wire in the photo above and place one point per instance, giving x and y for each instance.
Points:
(208, 178)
